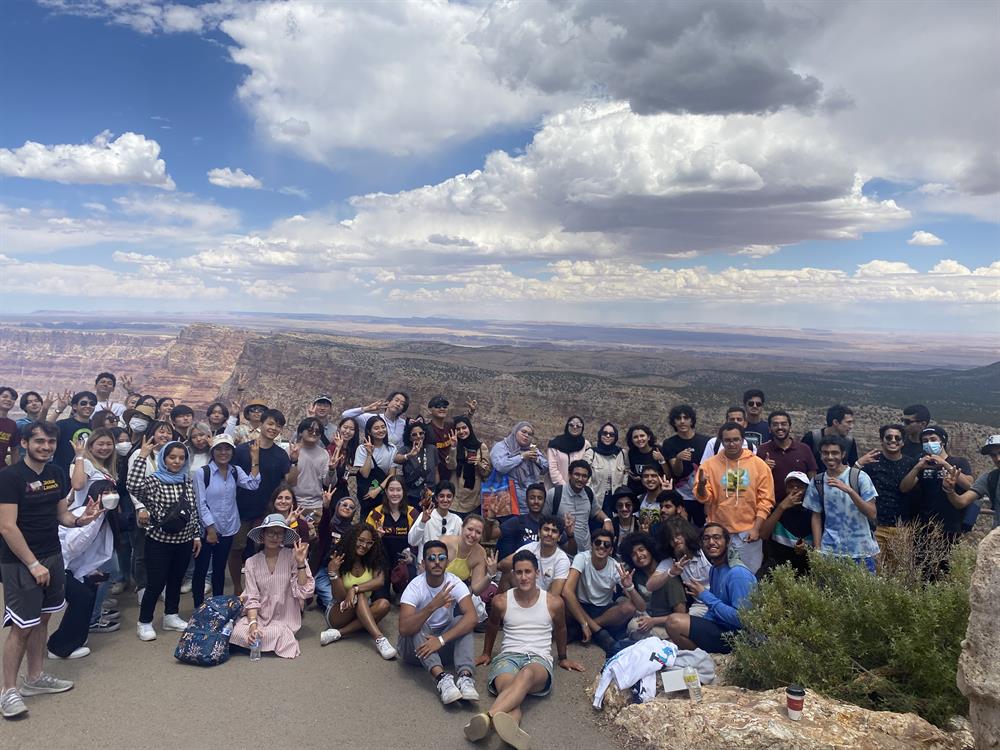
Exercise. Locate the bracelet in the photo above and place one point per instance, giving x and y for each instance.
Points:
(630, 588)
(333, 576)
(441, 638)
(300, 567)
(77, 458)
(34, 565)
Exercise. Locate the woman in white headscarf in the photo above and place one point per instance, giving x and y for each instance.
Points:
(519, 459)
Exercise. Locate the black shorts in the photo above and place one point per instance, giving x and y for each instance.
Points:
(24, 600)
(708, 636)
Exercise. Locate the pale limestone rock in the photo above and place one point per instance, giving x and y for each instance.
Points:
(979, 664)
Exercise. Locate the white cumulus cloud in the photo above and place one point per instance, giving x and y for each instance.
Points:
(131, 158)
(920, 237)
(233, 178)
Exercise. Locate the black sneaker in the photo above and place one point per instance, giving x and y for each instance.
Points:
(105, 626)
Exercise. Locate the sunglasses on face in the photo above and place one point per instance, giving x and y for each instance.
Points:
(256, 408)
(436, 558)
(313, 431)
(603, 543)
(607, 433)
(85, 403)
(892, 439)
(755, 403)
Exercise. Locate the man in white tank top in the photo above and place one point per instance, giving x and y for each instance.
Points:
(530, 618)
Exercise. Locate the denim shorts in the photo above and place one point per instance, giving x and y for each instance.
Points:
(511, 663)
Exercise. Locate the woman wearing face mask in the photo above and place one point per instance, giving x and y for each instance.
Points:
(170, 539)
(418, 460)
(565, 448)
(343, 448)
(473, 466)
(338, 517)
(137, 421)
(215, 490)
(374, 459)
(607, 464)
(520, 460)
(96, 461)
(642, 451)
(358, 571)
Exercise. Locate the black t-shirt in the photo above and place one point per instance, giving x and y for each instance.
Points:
(761, 429)
(913, 450)
(892, 503)
(36, 497)
(934, 504)
(852, 448)
(662, 601)
(675, 444)
(70, 430)
(274, 464)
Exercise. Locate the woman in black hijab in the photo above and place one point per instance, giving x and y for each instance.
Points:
(473, 461)
(607, 464)
(566, 448)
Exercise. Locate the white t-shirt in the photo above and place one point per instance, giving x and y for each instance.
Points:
(596, 587)
(94, 474)
(554, 568)
(418, 595)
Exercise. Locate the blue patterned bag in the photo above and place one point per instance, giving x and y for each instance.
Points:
(205, 641)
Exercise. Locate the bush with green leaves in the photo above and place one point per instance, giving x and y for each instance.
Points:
(874, 641)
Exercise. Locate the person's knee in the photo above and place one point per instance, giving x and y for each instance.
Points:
(678, 624)
(380, 608)
(627, 609)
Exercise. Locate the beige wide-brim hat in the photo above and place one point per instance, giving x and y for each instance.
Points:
(274, 521)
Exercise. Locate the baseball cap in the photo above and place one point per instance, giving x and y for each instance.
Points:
(801, 476)
(323, 397)
(993, 441)
(437, 401)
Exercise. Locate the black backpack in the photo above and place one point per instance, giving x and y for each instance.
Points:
(853, 481)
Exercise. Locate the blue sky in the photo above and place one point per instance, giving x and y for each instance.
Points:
(557, 161)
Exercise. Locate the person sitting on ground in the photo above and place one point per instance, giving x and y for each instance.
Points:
(436, 616)
(516, 531)
(392, 520)
(671, 504)
(278, 582)
(436, 519)
(652, 607)
(333, 526)
(553, 563)
(678, 537)
(590, 595)
(286, 502)
(470, 561)
(842, 507)
(531, 619)
(728, 589)
(565, 449)
(357, 572)
(737, 490)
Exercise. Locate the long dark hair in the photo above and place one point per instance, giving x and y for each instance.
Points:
(352, 445)
(674, 525)
(373, 560)
(636, 539)
(371, 423)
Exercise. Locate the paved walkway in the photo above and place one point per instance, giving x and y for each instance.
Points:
(131, 694)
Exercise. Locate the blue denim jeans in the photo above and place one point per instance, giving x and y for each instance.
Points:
(324, 589)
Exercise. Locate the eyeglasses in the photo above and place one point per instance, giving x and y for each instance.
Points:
(578, 425)
(607, 433)
(603, 543)
(85, 403)
(755, 403)
(314, 431)
(436, 558)
(624, 506)
(712, 537)
(892, 439)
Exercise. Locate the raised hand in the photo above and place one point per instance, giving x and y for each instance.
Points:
(666, 483)
(625, 574)
(950, 478)
(254, 453)
(91, 513)
(686, 454)
(80, 446)
(702, 480)
(327, 498)
(569, 523)
(375, 406)
(336, 560)
(293, 451)
(491, 563)
(147, 446)
(870, 457)
(235, 408)
(369, 447)
(657, 456)
(471, 405)
(443, 598)
(453, 439)
(678, 566)
(299, 551)
(127, 384)
(793, 498)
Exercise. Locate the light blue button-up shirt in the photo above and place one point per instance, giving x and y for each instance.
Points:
(217, 502)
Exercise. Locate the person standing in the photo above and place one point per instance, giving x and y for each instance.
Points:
(839, 423)
(8, 427)
(758, 429)
(683, 452)
(473, 465)
(518, 458)
(916, 419)
(577, 500)
(607, 462)
(391, 410)
(310, 473)
(565, 449)
(440, 429)
(104, 386)
(531, 619)
(74, 428)
(33, 505)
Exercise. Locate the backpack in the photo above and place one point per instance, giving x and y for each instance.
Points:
(205, 640)
(853, 481)
(177, 518)
(557, 497)
(817, 435)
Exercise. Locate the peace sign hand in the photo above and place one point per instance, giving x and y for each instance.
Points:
(678, 566)
(93, 511)
(471, 405)
(300, 550)
(491, 563)
(147, 446)
(625, 575)
(950, 478)
(453, 439)
(80, 446)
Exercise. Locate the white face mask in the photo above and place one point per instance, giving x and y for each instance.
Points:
(136, 424)
(122, 449)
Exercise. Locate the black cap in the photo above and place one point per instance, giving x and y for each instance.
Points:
(623, 491)
(437, 401)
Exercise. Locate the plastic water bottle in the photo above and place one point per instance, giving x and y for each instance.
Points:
(255, 649)
(693, 683)
(227, 630)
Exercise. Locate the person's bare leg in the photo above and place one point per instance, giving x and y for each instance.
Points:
(13, 654)
(512, 689)
(35, 647)
(370, 614)
(616, 615)
(679, 630)
(344, 620)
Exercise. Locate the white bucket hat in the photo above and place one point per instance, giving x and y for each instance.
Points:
(274, 521)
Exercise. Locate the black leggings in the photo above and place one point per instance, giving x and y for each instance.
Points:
(75, 624)
(165, 566)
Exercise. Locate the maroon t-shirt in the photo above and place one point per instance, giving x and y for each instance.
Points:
(441, 441)
(798, 457)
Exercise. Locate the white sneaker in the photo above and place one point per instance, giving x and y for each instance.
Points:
(467, 687)
(448, 690)
(328, 636)
(208, 588)
(385, 649)
(77, 654)
(174, 622)
(186, 587)
(145, 631)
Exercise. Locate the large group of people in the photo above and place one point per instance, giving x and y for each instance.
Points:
(347, 517)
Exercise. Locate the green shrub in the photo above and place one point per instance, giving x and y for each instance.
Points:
(868, 640)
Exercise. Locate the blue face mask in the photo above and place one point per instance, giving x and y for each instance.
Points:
(933, 448)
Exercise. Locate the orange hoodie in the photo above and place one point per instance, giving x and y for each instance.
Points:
(736, 491)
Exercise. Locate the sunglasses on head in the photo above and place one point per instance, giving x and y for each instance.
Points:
(603, 543)
(441, 557)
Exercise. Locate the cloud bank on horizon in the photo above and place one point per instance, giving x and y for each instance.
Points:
(573, 160)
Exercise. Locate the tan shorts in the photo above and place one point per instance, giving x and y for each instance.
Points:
(240, 540)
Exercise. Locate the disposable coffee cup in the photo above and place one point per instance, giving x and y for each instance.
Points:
(110, 500)
(795, 697)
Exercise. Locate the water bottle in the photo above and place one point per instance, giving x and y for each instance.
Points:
(693, 683)
(227, 630)
(255, 649)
